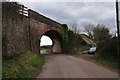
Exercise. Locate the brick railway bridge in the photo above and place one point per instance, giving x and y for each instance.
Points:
(23, 33)
(40, 25)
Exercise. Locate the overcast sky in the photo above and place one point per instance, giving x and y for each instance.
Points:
(80, 13)
(45, 41)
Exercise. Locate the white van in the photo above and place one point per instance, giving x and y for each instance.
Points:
(92, 50)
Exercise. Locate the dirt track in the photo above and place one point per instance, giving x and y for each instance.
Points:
(66, 66)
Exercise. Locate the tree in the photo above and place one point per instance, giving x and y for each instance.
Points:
(89, 29)
(108, 47)
(101, 32)
(74, 27)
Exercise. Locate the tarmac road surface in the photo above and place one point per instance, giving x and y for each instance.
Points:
(66, 66)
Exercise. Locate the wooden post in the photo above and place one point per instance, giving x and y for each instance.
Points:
(29, 16)
(117, 22)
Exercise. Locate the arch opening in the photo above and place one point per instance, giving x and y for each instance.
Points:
(45, 45)
(45, 40)
(56, 39)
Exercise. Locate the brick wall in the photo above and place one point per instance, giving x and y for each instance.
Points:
(15, 33)
(21, 33)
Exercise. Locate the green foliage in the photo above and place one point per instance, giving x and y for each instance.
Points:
(23, 66)
(108, 61)
(83, 49)
(74, 42)
(68, 47)
(101, 32)
(97, 32)
(64, 32)
(108, 47)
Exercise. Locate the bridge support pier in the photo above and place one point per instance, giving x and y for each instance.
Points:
(56, 48)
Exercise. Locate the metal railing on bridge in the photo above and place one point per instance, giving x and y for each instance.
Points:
(23, 10)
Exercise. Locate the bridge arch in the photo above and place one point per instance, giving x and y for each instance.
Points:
(56, 38)
(40, 25)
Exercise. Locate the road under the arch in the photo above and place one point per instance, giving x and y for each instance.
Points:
(67, 66)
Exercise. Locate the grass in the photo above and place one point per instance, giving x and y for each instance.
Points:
(87, 40)
(84, 49)
(108, 61)
(24, 66)
(49, 50)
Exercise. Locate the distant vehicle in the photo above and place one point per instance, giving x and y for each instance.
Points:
(92, 50)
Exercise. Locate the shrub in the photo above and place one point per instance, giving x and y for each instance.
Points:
(73, 44)
(108, 47)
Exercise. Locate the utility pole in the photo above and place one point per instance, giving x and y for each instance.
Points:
(117, 22)
(118, 33)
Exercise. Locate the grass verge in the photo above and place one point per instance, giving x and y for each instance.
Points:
(24, 66)
(108, 61)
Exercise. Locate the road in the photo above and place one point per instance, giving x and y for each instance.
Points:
(66, 66)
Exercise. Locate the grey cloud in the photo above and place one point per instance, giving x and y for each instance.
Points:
(81, 13)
